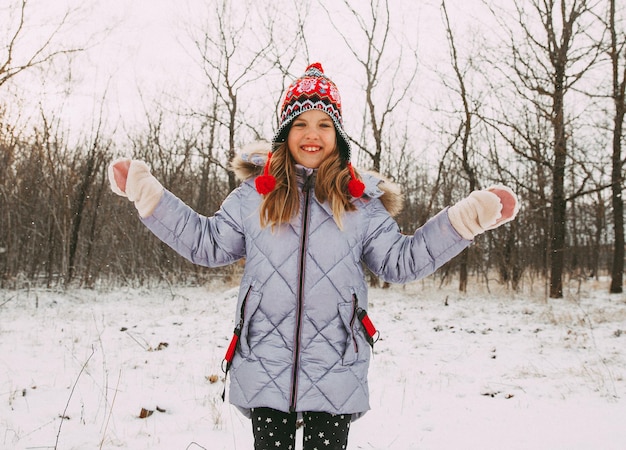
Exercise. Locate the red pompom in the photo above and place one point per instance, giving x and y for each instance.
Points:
(356, 187)
(315, 65)
(265, 184)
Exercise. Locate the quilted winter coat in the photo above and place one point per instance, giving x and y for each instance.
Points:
(302, 347)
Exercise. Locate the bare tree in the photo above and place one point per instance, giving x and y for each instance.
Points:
(231, 55)
(552, 54)
(464, 130)
(14, 59)
(617, 54)
(89, 165)
(387, 81)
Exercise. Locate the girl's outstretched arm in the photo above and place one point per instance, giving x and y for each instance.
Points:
(208, 241)
(400, 258)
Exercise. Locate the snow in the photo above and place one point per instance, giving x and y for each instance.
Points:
(482, 370)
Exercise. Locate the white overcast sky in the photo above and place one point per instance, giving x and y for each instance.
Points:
(143, 49)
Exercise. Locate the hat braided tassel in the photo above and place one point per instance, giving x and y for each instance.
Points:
(355, 186)
(265, 183)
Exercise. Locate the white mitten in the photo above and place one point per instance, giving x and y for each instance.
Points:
(475, 214)
(484, 210)
(141, 186)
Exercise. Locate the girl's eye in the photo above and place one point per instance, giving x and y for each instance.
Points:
(298, 124)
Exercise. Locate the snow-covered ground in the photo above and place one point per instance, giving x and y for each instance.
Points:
(482, 371)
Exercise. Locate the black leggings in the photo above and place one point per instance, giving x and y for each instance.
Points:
(277, 430)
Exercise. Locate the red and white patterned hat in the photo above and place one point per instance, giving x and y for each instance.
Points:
(313, 90)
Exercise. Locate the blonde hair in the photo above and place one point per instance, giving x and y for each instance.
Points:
(283, 202)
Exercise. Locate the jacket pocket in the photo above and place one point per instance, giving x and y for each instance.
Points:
(249, 305)
(347, 312)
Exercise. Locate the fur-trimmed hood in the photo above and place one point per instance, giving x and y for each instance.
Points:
(250, 164)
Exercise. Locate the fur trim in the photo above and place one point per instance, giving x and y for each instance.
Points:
(392, 198)
(245, 169)
(251, 165)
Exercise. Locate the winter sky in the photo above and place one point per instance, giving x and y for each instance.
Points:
(143, 45)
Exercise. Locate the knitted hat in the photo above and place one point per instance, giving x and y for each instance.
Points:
(313, 90)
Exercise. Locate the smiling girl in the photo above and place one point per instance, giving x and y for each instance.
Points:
(307, 224)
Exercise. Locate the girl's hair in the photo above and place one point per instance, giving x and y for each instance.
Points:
(331, 184)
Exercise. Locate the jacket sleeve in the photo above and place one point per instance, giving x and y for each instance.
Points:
(400, 258)
(207, 241)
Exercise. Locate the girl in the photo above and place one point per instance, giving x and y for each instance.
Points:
(306, 223)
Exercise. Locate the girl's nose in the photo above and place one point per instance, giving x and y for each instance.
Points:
(311, 133)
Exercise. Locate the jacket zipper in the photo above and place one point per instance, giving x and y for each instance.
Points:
(300, 300)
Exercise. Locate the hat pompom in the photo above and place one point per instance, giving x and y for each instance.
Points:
(265, 183)
(315, 65)
(356, 187)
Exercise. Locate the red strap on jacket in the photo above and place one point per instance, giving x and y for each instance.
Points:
(370, 329)
(230, 353)
(231, 348)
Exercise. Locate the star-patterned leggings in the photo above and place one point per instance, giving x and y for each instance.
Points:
(276, 430)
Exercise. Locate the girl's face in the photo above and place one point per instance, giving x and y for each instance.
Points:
(312, 138)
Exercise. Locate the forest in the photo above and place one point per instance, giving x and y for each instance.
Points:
(526, 93)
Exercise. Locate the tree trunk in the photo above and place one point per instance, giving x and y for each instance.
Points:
(78, 207)
(617, 271)
(463, 262)
(557, 260)
(619, 87)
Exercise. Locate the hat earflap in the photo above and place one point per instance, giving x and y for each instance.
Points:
(355, 186)
(265, 183)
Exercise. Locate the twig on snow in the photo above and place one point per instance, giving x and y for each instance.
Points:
(143, 345)
(6, 301)
(106, 425)
(64, 415)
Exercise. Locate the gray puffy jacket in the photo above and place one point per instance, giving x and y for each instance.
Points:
(302, 347)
